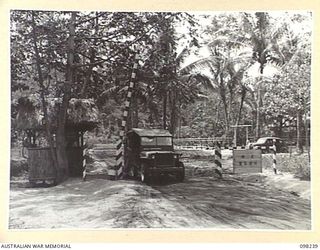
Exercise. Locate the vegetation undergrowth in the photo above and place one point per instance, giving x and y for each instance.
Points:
(296, 164)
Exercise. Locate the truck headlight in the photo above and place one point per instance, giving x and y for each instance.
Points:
(153, 156)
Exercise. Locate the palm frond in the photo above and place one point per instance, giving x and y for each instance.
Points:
(113, 90)
(199, 65)
(223, 40)
(184, 53)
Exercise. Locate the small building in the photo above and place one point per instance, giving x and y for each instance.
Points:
(82, 117)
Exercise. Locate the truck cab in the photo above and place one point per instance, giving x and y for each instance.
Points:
(150, 153)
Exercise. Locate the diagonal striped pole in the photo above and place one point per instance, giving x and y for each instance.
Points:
(120, 144)
(274, 156)
(217, 159)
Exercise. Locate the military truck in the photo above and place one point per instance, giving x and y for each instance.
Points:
(149, 153)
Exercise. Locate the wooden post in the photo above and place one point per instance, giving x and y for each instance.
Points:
(247, 135)
(235, 137)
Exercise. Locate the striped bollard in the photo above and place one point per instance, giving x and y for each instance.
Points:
(119, 159)
(84, 162)
(217, 159)
(120, 146)
(274, 157)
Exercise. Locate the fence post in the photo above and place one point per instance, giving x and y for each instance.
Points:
(217, 159)
(274, 157)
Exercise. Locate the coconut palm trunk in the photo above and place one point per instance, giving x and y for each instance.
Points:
(164, 109)
(243, 96)
(173, 112)
(258, 119)
(299, 131)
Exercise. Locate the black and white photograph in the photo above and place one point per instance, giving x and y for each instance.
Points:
(160, 120)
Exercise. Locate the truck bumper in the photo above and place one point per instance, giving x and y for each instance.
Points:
(165, 170)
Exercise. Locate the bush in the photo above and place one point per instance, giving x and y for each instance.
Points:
(18, 167)
(196, 154)
(298, 165)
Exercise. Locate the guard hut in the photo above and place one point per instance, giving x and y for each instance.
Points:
(82, 117)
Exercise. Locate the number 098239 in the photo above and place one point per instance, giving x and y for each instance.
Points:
(309, 246)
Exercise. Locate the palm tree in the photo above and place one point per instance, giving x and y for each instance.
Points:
(273, 42)
(163, 78)
(264, 38)
(227, 65)
(180, 86)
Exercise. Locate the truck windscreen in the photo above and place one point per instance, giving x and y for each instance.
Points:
(156, 141)
(164, 141)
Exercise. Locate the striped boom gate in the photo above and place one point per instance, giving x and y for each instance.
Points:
(203, 143)
(118, 172)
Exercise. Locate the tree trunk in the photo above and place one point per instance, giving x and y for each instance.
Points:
(230, 106)
(307, 134)
(164, 110)
(173, 113)
(62, 159)
(179, 120)
(88, 75)
(92, 59)
(299, 131)
(226, 116)
(225, 104)
(280, 118)
(243, 96)
(42, 96)
(258, 129)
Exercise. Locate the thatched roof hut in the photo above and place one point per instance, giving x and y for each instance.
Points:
(82, 114)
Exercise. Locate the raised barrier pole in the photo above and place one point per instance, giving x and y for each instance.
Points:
(120, 146)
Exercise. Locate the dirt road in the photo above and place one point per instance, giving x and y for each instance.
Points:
(235, 202)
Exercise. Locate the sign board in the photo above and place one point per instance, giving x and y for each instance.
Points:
(247, 161)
